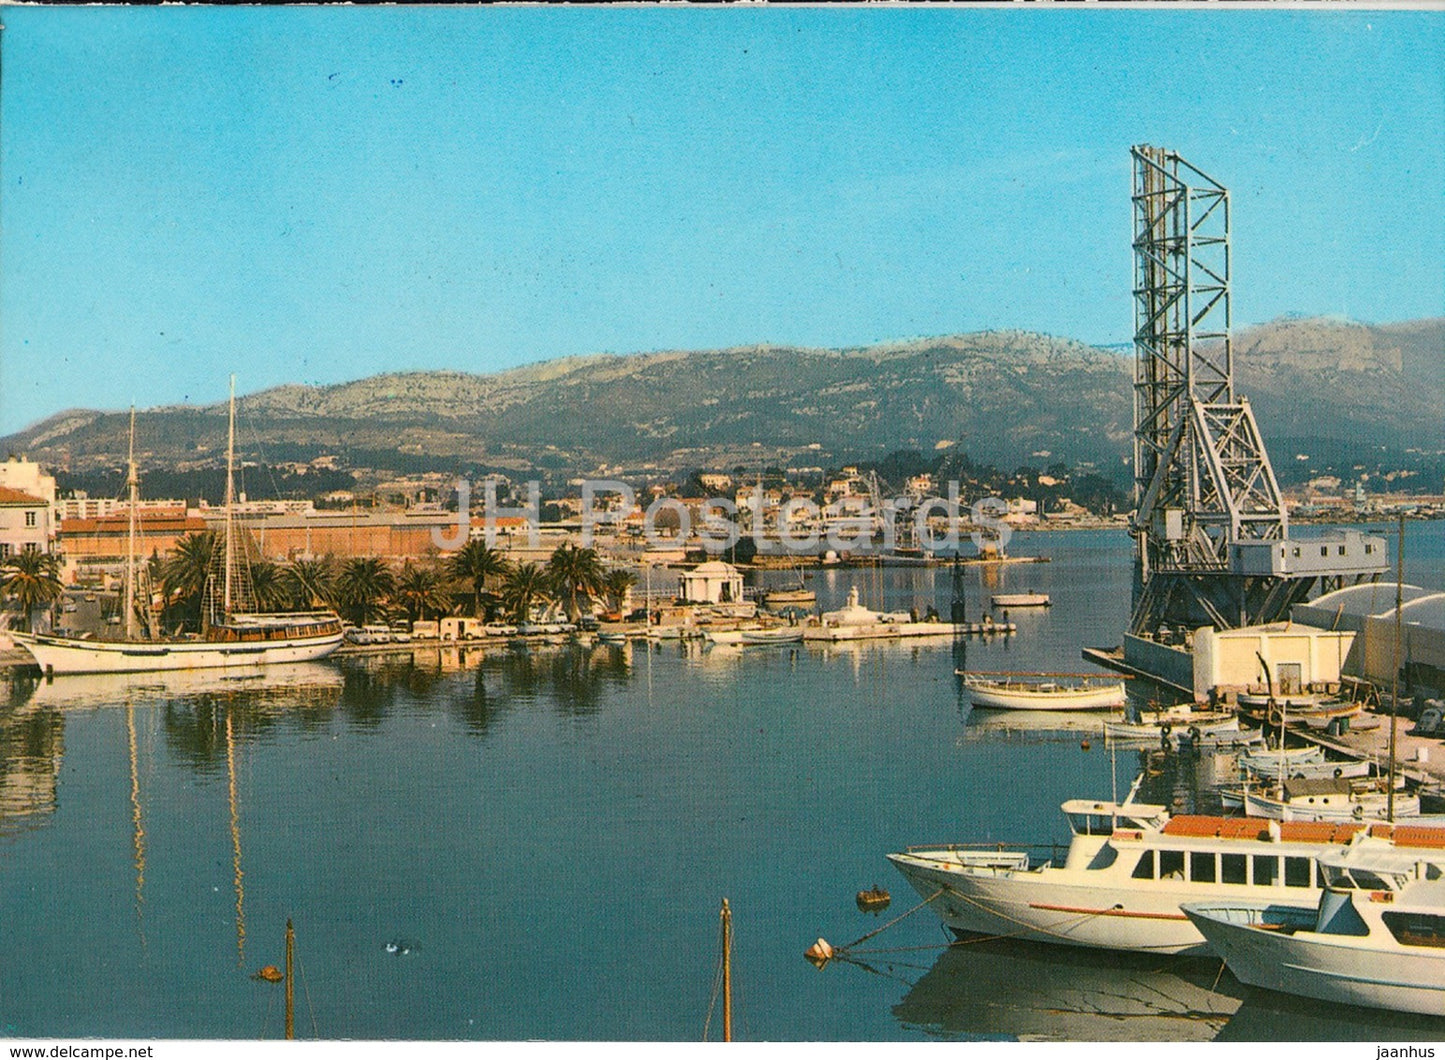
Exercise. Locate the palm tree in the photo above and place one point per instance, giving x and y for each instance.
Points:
(268, 586)
(475, 563)
(525, 585)
(311, 582)
(362, 588)
(615, 584)
(187, 568)
(31, 579)
(420, 589)
(575, 571)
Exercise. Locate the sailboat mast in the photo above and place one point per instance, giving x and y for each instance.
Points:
(1395, 667)
(230, 498)
(132, 483)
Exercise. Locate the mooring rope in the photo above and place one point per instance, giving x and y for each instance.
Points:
(716, 987)
(885, 927)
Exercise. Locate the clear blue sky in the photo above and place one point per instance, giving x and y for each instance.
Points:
(316, 195)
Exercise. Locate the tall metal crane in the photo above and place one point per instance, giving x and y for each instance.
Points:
(1211, 530)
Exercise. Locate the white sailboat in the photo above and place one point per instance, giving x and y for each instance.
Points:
(233, 638)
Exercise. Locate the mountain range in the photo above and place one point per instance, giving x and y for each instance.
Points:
(1323, 389)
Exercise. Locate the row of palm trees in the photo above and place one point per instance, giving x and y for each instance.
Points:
(476, 579)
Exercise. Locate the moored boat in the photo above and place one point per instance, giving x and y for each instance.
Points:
(1028, 599)
(775, 635)
(1376, 936)
(1010, 691)
(1176, 725)
(1331, 799)
(1127, 870)
(232, 637)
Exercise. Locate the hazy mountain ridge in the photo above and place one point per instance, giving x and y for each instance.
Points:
(1002, 396)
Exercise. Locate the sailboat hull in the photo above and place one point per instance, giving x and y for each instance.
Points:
(66, 655)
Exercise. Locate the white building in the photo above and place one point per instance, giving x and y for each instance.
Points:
(713, 582)
(27, 477)
(25, 523)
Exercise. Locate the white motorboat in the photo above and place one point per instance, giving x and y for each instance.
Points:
(232, 638)
(1330, 799)
(1267, 759)
(853, 613)
(1269, 765)
(1010, 691)
(853, 622)
(723, 636)
(1127, 869)
(1178, 724)
(1028, 599)
(1376, 936)
(775, 635)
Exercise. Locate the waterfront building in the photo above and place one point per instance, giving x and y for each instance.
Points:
(1369, 612)
(27, 508)
(25, 523)
(93, 549)
(713, 582)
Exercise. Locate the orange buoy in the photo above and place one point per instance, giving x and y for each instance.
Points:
(1084, 745)
(271, 974)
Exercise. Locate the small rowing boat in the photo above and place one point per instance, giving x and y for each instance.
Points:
(1042, 691)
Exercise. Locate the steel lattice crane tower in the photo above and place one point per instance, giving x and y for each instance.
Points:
(1211, 529)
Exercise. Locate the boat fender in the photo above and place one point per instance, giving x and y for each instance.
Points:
(819, 951)
(1339, 772)
(1165, 729)
(1359, 812)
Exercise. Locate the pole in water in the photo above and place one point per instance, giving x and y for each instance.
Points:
(727, 973)
(290, 981)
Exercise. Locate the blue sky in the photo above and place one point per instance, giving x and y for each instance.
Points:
(317, 195)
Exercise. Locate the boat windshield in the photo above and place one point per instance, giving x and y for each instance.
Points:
(1342, 878)
(1103, 818)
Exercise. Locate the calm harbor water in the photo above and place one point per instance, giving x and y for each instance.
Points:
(513, 845)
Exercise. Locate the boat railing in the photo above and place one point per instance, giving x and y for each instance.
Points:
(971, 851)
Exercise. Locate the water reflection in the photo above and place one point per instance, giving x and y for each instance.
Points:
(572, 677)
(1005, 988)
(274, 687)
(31, 746)
(1266, 1016)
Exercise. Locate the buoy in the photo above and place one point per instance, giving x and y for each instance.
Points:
(819, 952)
(876, 898)
(1084, 745)
(271, 974)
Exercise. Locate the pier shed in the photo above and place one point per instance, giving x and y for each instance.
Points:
(1297, 656)
(1369, 611)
